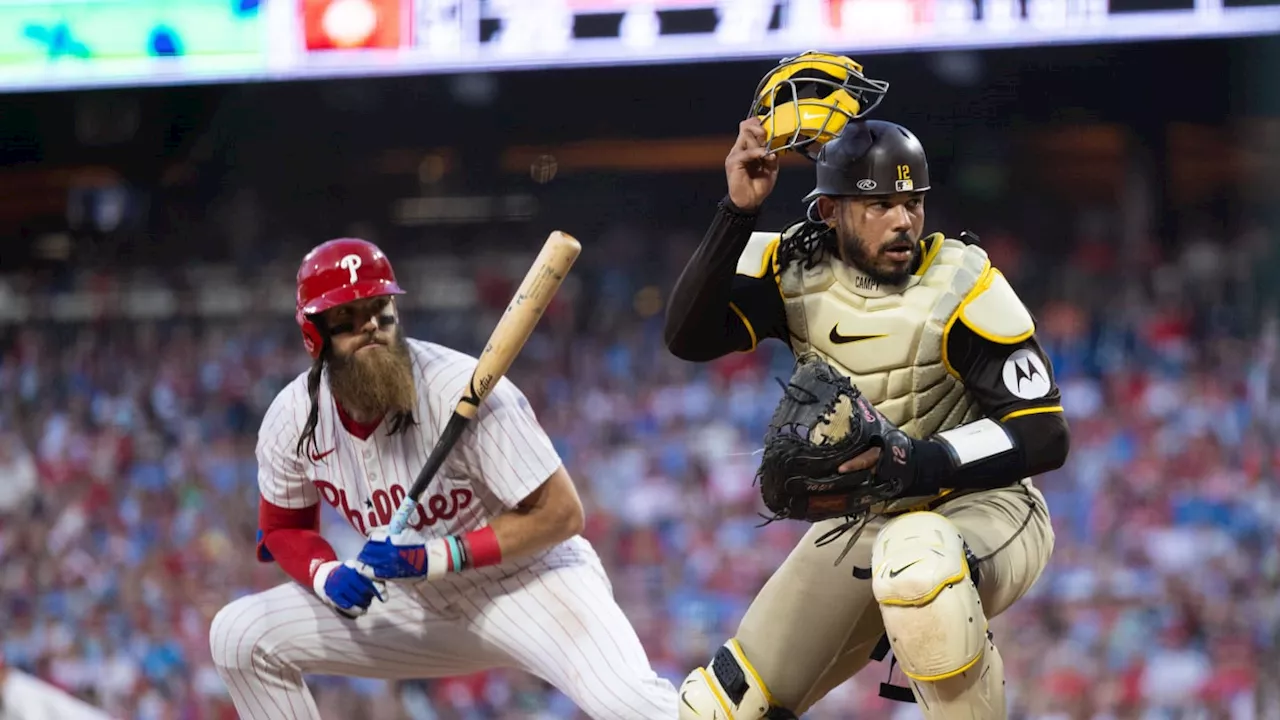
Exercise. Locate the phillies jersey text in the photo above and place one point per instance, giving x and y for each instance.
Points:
(500, 459)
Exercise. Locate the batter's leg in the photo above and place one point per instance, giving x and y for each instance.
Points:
(795, 627)
(563, 625)
(262, 645)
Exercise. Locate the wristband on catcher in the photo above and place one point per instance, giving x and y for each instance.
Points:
(978, 454)
(974, 442)
(451, 553)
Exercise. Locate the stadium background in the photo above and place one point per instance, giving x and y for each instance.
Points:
(149, 236)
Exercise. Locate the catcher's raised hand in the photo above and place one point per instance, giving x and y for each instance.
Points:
(750, 168)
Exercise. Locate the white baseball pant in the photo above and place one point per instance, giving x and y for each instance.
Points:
(560, 624)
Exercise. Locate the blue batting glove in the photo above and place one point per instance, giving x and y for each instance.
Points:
(403, 555)
(342, 586)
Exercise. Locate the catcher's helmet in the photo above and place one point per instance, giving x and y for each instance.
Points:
(808, 99)
(335, 273)
(871, 157)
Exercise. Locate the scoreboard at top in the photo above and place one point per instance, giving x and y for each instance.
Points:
(58, 44)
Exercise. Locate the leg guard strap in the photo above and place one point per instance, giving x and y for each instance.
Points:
(889, 691)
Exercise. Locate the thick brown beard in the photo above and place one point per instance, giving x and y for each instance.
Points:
(376, 382)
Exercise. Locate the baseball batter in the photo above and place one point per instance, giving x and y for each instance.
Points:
(940, 344)
(491, 572)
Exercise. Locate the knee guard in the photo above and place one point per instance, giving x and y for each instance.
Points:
(728, 689)
(930, 605)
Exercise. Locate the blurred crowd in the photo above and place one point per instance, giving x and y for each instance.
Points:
(128, 491)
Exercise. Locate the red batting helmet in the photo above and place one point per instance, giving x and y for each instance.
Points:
(335, 273)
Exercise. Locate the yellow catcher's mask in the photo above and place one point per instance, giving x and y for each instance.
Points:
(807, 100)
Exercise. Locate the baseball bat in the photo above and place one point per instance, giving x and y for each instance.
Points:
(509, 336)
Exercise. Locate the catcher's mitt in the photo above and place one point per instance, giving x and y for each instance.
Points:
(821, 422)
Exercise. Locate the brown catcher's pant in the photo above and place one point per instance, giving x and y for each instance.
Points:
(814, 625)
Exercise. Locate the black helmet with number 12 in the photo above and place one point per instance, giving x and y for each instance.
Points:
(869, 158)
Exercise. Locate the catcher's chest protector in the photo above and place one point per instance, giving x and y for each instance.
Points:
(889, 339)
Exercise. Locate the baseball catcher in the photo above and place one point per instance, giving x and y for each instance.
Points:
(919, 410)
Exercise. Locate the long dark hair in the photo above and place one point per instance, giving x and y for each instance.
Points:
(808, 239)
(308, 437)
(400, 422)
(805, 241)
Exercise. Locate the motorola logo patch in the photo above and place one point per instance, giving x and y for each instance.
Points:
(1025, 375)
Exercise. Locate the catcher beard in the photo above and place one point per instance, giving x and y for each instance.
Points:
(919, 361)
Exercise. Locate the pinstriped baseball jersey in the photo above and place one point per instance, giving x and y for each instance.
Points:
(551, 614)
(501, 458)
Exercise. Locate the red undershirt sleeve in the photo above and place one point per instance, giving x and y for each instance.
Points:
(289, 504)
(291, 537)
